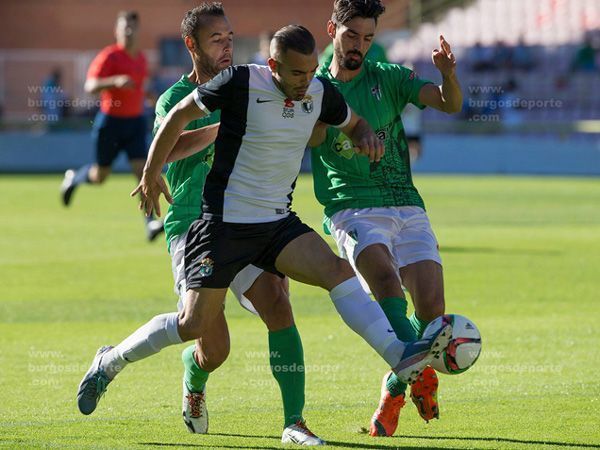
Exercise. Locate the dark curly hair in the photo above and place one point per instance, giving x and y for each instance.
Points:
(346, 10)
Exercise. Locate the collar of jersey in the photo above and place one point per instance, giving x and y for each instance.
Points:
(186, 80)
(356, 79)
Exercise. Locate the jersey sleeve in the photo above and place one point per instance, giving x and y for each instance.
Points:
(219, 92)
(334, 109)
(101, 65)
(409, 85)
(161, 109)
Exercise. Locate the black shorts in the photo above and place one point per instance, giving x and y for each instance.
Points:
(112, 134)
(216, 251)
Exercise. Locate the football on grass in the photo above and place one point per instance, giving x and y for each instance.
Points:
(462, 350)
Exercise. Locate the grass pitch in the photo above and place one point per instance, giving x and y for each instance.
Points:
(521, 257)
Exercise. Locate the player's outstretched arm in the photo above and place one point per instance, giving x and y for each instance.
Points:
(448, 96)
(193, 141)
(364, 139)
(152, 183)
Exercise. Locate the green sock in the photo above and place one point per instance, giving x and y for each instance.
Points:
(287, 367)
(195, 376)
(395, 310)
(418, 325)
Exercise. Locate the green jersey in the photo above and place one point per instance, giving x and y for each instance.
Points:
(186, 177)
(343, 179)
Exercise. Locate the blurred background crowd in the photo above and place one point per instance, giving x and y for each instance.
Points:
(529, 69)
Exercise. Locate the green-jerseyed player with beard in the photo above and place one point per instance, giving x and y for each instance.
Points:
(373, 210)
(209, 39)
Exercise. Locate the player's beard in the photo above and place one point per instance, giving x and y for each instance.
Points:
(207, 65)
(347, 62)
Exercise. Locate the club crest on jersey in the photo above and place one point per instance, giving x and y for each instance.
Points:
(206, 267)
(288, 109)
(307, 104)
(376, 91)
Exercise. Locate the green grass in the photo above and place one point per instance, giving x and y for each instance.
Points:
(521, 258)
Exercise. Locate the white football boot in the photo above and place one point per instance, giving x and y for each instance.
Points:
(298, 433)
(195, 414)
(93, 385)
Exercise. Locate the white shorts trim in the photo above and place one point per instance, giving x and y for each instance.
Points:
(404, 230)
(240, 284)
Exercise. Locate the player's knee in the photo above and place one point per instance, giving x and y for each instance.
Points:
(189, 327)
(98, 175)
(384, 282)
(339, 270)
(101, 177)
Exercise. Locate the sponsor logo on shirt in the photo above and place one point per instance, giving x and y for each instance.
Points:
(288, 109)
(307, 104)
(343, 146)
(382, 134)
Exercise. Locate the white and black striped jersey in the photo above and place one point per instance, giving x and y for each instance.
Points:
(261, 141)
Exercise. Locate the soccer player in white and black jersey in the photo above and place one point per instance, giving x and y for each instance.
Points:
(267, 116)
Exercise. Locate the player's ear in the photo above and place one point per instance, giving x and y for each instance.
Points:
(190, 44)
(272, 65)
(331, 29)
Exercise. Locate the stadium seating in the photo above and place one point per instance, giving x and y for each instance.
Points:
(551, 31)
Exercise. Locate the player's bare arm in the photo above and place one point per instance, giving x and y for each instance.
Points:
(364, 139)
(193, 141)
(95, 85)
(152, 183)
(447, 97)
(318, 135)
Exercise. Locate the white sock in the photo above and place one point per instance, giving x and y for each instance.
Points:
(150, 338)
(366, 318)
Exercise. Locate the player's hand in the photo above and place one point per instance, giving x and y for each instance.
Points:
(444, 59)
(124, 82)
(370, 146)
(150, 190)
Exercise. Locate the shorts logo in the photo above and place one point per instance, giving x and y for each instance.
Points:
(307, 104)
(206, 267)
(288, 109)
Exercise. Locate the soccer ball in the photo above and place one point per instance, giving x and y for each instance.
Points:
(462, 350)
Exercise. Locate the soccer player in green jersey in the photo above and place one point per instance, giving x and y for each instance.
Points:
(373, 209)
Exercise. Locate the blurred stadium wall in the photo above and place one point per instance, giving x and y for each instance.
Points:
(531, 105)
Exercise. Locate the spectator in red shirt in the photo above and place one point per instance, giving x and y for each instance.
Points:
(118, 74)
